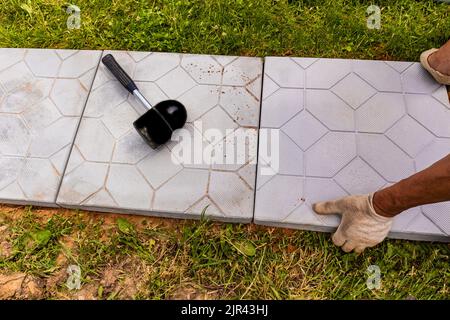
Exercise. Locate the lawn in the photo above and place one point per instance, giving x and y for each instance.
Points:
(138, 257)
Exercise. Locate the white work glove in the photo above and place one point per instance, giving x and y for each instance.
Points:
(361, 227)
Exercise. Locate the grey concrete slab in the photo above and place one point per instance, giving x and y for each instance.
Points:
(350, 127)
(42, 96)
(111, 168)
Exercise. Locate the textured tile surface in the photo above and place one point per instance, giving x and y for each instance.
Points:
(42, 96)
(112, 169)
(350, 127)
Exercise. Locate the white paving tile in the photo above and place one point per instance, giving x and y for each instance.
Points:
(39, 114)
(111, 167)
(378, 74)
(361, 125)
(64, 54)
(15, 137)
(394, 165)
(180, 192)
(438, 214)
(400, 66)
(118, 120)
(78, 64)
(53, 138)
(368, 116)
(334, 113)
(200, 100)
(43, 63)
(158, 167)
(435, 116)
(293, 164)
(438, 149)
(216, 119)
(359, 178)
(82, 182)
(176, 82)
(138, 55)
(288, 100)
(236, 203)
(330, 154)
(241, 71)
(10, 57)
(402, 221)
(304, 121)
(155, 66)
(128, 187)
(69, 96)
(305, 62)
(17, 77)
(269, 86)
(280, 70)
(334, 69)
(204, 70)
(336, 117)
(276, 206)
(130, 148)
(34, 175)
(242, 106)
(417, 80)
(94, 141)
(359, 93)
(406, 128)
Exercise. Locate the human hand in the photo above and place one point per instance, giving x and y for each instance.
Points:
(361, 227)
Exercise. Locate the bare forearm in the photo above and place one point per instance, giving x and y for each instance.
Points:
(428, 186)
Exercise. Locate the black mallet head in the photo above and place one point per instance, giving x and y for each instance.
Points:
(157, 124)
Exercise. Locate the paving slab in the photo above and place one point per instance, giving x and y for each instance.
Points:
(349, 127)
(42, 96)
(111, 169)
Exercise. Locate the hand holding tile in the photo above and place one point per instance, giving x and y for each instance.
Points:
(361, 227)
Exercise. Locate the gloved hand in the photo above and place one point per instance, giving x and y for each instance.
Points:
(361, 227)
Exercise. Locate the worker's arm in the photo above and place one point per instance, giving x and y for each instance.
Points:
(367, 219)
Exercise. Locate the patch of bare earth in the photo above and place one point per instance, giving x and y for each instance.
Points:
(108, 219)
(21, 286)
(5, 245)
(190, 291)
(121, 280)
(124, 279)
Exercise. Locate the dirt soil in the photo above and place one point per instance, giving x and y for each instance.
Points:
(122, 279)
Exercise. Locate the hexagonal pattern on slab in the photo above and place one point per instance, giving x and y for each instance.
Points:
(334, 69)
(417, 80)
(204, 70)
(14, 136)
(221, 95)
(431, 113)
(334, 113)
(42, 97)
(380, 112)
(348, 127)
(353, 90)
(285, 72)
(281, 107)
(69, 96)
(344, 127)
(43, 63)
(330, 154)
(304, 122)
(378, 74)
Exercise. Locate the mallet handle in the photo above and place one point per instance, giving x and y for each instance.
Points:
(119, 73)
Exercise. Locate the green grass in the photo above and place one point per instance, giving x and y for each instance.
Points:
(219, 260)
(178, 259)
(328, 28)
